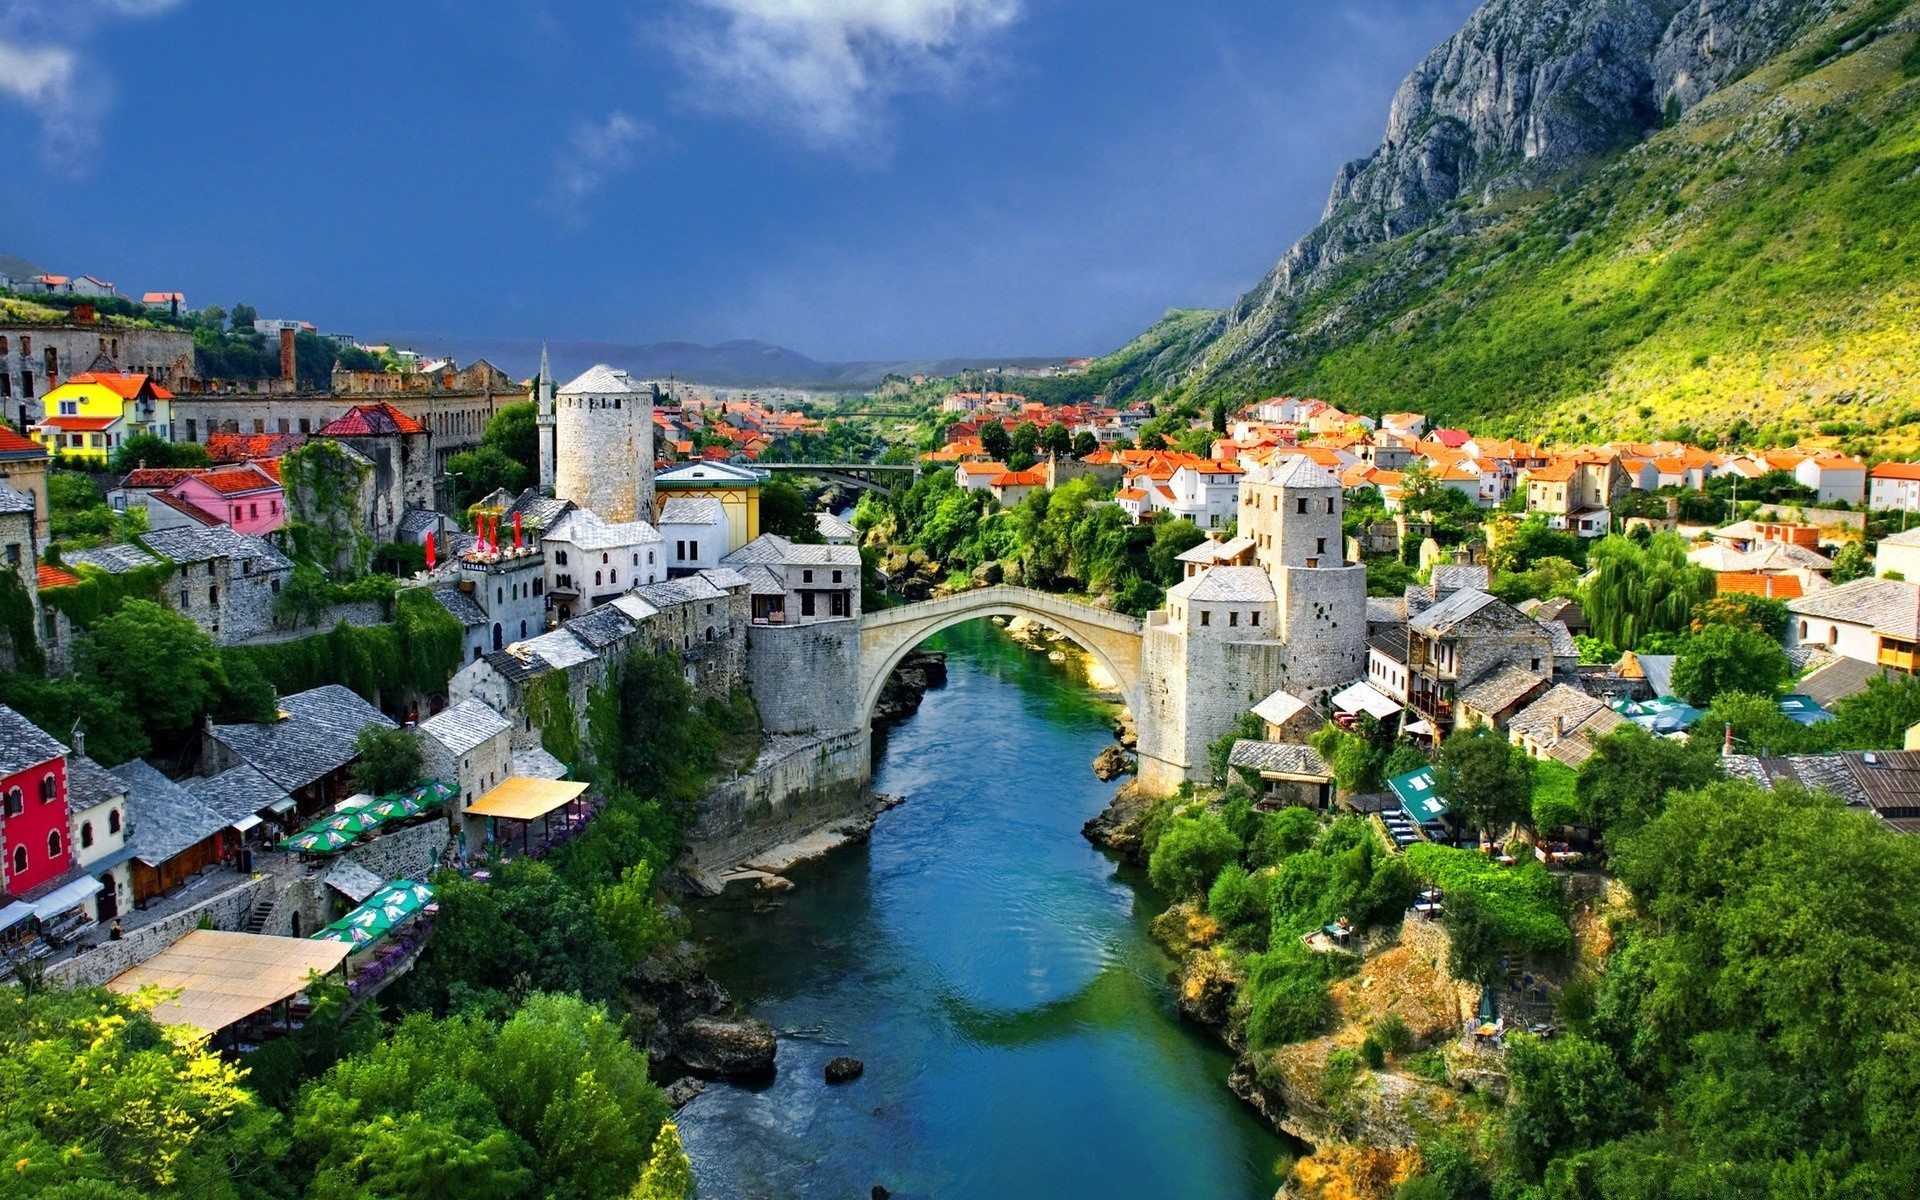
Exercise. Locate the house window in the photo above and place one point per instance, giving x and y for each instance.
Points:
(613, 577)
(306, 425)
(1301, 506)
(113, 821)
(596, 578)
(1206, 616)
(604, 560)
(1329, 504)
(1233, 619)
(86, 835)
(19, 860)
(560, 558)
(806, 577)
(806, 604)
(1255, 621)
(1320, 545)
(16, 802)
(49, 788)
(53, 843)
(69, 408)
(1803, 631)
(1833, 635)
(213, 595)
(836, 577)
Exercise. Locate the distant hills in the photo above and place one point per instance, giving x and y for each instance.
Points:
(738, 364)
(1624, 215)
(12, 266)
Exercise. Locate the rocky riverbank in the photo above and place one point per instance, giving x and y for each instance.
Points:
(918, 673)
(1361, 1123)
(684, 1019)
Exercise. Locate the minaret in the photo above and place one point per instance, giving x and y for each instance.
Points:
(543, 415)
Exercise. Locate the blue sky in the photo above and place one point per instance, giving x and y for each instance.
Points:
(849, 178)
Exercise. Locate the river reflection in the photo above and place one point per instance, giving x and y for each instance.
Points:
(991, 969)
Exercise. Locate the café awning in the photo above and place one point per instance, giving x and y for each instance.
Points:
(65, 898)
(1365, 698)
(226, 977)
(524, 799)
(15, 913)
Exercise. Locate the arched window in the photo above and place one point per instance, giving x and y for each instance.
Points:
(499, 595)
(499, 636)
(596, 578)
(53, 843)
(709, 633)
(86, 834)
(1803, 631)
(49, 787)
(113, 821)
(19, 860)
(613, 577)
(1833, 635)
(16, 802)
(523, 629)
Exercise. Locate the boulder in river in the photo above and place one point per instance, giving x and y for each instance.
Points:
(681, 1091)
(726, 1049)
(844, 1069)
(1110, 764)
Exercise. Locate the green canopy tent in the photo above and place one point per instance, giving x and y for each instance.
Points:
(378, 914)
(391, 809)
(318, 841)
(355, 822)
(432, 794)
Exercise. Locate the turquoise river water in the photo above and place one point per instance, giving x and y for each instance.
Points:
(993, 971)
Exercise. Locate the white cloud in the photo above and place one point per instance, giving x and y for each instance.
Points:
(596, 151)
(40, 54)
(828, 69)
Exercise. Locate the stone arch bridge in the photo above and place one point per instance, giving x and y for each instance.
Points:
(1113, 639)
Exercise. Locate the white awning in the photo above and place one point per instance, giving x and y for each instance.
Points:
(15, 913)
(65, 899)
(1365, 698)
(284, 804)
(246, 823)
(1420, 728)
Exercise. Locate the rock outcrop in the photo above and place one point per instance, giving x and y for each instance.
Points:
(1111, 763)
(1117, 828)
(844, 1069)
(716, 1048)
(918, 672)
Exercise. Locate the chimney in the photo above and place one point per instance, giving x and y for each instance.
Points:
(286, 355)
(79, 743)
(1559, 728)
(83, 314)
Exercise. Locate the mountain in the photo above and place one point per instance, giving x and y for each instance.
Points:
(738, 364)
(1622, 213)
(12, 266)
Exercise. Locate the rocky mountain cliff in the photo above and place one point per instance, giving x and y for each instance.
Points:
(1473, 263)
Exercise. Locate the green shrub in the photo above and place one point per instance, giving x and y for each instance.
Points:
(1373, 1052)
(1281, 835)
(1287, 995)
(1393, 1033)
(1239, 902)
(1190, 853)
(1522, 905)
(1343, 1068)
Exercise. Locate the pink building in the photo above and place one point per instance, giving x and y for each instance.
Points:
(246, 497)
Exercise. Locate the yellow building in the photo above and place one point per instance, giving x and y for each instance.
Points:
(92, 415)
(736, 488)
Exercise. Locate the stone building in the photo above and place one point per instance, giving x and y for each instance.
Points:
(1469, 639)
(603, 452)
(589, 561)
(401, 465)
(694, 533)
(35, 359)
(1293, 513)
(225, 582)
(499, 598)
(23, 467)
(469, 745)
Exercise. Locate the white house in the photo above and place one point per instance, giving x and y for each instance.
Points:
(596, 560)
(1206, 493)
(978, 476)
(1846, 619)
(796, 584)
(693, 534)
(1894, 485)
(1899, 554)
(1837, 479)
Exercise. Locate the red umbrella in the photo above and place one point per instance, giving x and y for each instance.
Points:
(516, 531)
(429, 549)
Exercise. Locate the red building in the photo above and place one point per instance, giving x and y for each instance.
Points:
(33, 804)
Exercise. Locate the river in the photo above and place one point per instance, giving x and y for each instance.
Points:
(993, 971)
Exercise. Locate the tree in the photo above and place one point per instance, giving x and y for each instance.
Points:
(1057, 439)
(1625, 784)
(1190, 853)
(1740, 608)
(1851, 562)
(1486, 781)
(1570, 1094)
(994, 439)
(514, 431)
(150, 450)
(1026, 439)
(1636, 590)
(385, 760)
(1723, 658)
(668, 1175)
(306, 597)
(160, 664)
(244, 315)
(631, 915)
(784, 511)
(1084, 443)
(482, 472)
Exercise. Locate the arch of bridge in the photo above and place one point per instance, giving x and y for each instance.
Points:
(886, 637)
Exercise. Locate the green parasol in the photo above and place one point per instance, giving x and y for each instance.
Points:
(318, 841)
(393, 808)
(355, 823)
(432, 794)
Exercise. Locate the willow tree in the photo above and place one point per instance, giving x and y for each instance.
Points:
(1634, 590)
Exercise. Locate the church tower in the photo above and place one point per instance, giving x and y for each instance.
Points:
(603, 430)
(543, 399)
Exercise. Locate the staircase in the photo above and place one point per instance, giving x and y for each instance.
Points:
(257, 919)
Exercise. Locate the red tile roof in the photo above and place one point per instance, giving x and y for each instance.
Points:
(157, 477)
(12, 443)
(1020, 479)
(1751, 583)
(127, 387)
(53, 577)
(238, 481)
(187, 507)
(1886, 470)
(371, 420)
(239, 447)
(79, 424)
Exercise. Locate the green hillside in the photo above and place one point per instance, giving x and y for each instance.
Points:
(1757, 260)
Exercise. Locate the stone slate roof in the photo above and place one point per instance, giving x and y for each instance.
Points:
(1279, 708)
(352, 880)
(536, 511)
(517, 668)
(1452, 577)
(535, 763)
(237, 794)
(115, 560)
(24, 744)
(586, 530)
(602, 627)
(832, 526)
(686, 510)
(770, 548)
(416, 524)
(167, 818)
(14, 502)
(89, 784)
(1501, 688)
(1871, 602)
(635, 607)
(762, 582)
(1280, 758)
(1392, 643)
(314, 739)
(1560, 608)
(1563, 644)
(1386, 610)
(601, 380)
(1839, 679)
(1452, 612)
(1658, 668)
(190, 545)
(708, 474)
(1227, 585)
(465, 608)
(1582, 719)
(1296, 471)
(559, 650)
(685, 590)
(464, 726)
(725, 577)
(1821, 772)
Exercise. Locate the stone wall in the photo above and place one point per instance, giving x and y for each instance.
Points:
(405, 853)
(604, 454)
(806, 678)
(799, 785)
(1324, 624)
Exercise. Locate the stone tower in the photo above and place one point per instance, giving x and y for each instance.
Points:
(1293, 512)
(543, 399)
(603, 434)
